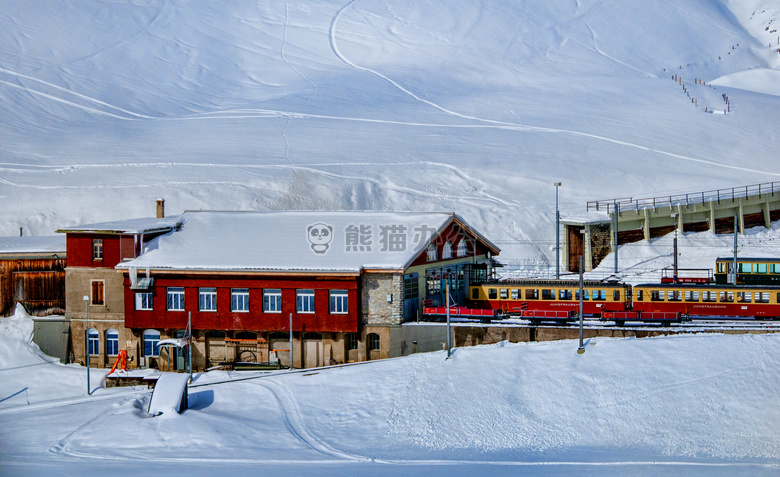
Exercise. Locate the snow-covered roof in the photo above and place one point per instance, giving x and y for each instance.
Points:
(295, 241)
(129, 226)
(44, 244)
(586, 218)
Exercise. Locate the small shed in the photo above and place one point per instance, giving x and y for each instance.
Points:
(32, 272)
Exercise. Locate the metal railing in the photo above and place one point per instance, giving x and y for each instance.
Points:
(718, 195)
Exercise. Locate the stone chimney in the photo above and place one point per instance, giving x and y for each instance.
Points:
(160, 208)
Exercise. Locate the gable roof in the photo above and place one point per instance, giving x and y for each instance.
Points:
(129, 226)
(33, 245)
(281, 241)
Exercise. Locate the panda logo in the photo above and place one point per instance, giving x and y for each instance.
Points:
(320, 236)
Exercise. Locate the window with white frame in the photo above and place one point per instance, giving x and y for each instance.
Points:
(239, 299)
(151, 341)
(93, 341)
(176, 298)
(112, 342)
(433, 253)
(272, 300)
(207, 299)
(463, 248)
(304, 301)
(339, 300)
(144, 301)
(446, 251)
(97, 249)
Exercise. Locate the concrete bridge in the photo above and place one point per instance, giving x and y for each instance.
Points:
(608, 223)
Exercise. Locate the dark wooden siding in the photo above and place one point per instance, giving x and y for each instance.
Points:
(37, 283)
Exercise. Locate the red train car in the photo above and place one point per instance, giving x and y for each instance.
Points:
(709, 300)
(514, 297)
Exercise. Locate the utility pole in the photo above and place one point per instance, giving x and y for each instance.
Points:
(189, 344)
(291, 344)
(615, 225)
(736, 231)
(581, 349)
(447, 304)
(675, 269)
(86, 338)
(557, 235)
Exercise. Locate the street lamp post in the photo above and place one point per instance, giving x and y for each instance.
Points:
(86, 337)
(581, 349)
(674, 249)
(557, 234)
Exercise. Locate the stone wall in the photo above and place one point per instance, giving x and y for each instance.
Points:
(382, 298)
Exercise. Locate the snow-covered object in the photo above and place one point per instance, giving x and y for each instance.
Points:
(170, 394)
(178, 342)
(16, 344)
(129, 226)
(344, 241)
(30, 244)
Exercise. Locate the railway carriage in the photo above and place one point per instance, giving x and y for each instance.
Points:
(750, 271)
(517, 297)
(709, 300)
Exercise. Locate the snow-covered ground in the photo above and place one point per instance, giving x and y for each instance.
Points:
(476, 107)
(703, 404)
(472, 106)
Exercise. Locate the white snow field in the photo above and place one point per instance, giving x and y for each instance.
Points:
(471, 106)
(701, 404)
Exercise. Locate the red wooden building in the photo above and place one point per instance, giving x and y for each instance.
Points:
(344, 279)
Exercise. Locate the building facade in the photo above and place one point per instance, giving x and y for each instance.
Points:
(241, 281)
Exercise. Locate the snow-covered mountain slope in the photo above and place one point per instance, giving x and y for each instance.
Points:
(471, 106)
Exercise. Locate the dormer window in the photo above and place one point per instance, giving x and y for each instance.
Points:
(97, 249)
(433, 253)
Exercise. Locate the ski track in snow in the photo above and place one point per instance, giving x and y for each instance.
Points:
(342, 57)
(313, 168)
(295, 423)
(98, 107)
(286, 62)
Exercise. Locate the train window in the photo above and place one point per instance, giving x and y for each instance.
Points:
(726, 297)
(531, 294)
(475, 293)
(564, 294)
(674, 295)
(774, 268)
(515, 294)
(599, 294)
(492, 294)
(709, 296)
(692, 295)
(504, 293)
(721, 268)
(639, 295)
(745, 297)
(585, 294)
(762, 297)
(548, 294)
(657, 295)
(616, 295)
(761, 268)
(745, 267)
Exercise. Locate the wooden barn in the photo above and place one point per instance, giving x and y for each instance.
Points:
(32, 272)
